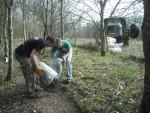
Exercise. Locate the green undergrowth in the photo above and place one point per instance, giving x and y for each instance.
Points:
(108, 84)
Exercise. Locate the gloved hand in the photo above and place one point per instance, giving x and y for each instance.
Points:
(38, 71)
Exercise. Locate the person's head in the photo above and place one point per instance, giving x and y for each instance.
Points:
(58, 43)
(49, 41)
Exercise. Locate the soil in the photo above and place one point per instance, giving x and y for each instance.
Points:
(52, 100)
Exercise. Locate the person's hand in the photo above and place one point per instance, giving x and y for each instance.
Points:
(64, 59)
(38, 71)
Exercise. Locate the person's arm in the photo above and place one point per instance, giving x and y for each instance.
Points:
(34, 59)
(67, 50)
(65, 56)
(53, 50)
(52, 54)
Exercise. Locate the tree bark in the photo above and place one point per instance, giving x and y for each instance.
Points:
(2, 19)
(145, 103)
(45, 22)
(102, 33)
(61, 20)
(24, 20)
(5, 32)
(52, 18)
(10, 39)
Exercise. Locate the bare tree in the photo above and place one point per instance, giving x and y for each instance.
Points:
(102, 33)
(99, 11)
(2, 18)
(61, 19)
(24, 19)
(5, 31)
(46, 19)
(10, 38)
(145, 104)
(43, 11)
(52, 18)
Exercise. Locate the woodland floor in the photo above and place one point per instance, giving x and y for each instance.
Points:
(110, 84)
(13, 99)
(52, 101)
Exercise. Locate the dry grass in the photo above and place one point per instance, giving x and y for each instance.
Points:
(109, 84)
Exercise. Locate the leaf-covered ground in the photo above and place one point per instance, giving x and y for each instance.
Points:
(13, 100)
(110, 84)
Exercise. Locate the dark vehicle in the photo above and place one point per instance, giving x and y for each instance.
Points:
(116, 28)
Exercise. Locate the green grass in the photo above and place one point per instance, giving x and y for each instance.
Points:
(109, 84)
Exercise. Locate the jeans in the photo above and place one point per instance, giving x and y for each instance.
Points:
(69, 64)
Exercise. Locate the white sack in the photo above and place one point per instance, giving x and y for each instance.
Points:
(48, 74)
(56, 65)
(116, 49)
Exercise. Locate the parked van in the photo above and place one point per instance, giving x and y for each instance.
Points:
(116, 28)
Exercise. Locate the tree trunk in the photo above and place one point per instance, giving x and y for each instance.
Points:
(46, 17)
(2, 18)
(10, 38)
(28, 20)
(61, 20)
(102, 34)
(45, 30)
(145, 104)
(52, 19)
(46, 21)
(1, 35)
(5, 33)
(24, 20)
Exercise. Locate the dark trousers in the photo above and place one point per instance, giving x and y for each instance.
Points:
(27, 70)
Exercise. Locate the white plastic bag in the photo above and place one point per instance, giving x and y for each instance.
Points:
(56, 65)
(48, 74)
(115, 49)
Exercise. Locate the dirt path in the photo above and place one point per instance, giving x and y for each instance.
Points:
(56, 103)
(54, 100)
(12, 99)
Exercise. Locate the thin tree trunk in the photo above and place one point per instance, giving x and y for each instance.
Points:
(1, 35)
(46, 17)
(61, 20)
(28, 20)
(33, 29)
(52, 18)
(2, 18)
(24, 20)
(5, 33)
(102, 34)
(46, 21)
(45, 30)
(145, 104)
(10, 38)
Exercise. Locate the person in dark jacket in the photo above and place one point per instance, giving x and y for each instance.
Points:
(26, 54)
